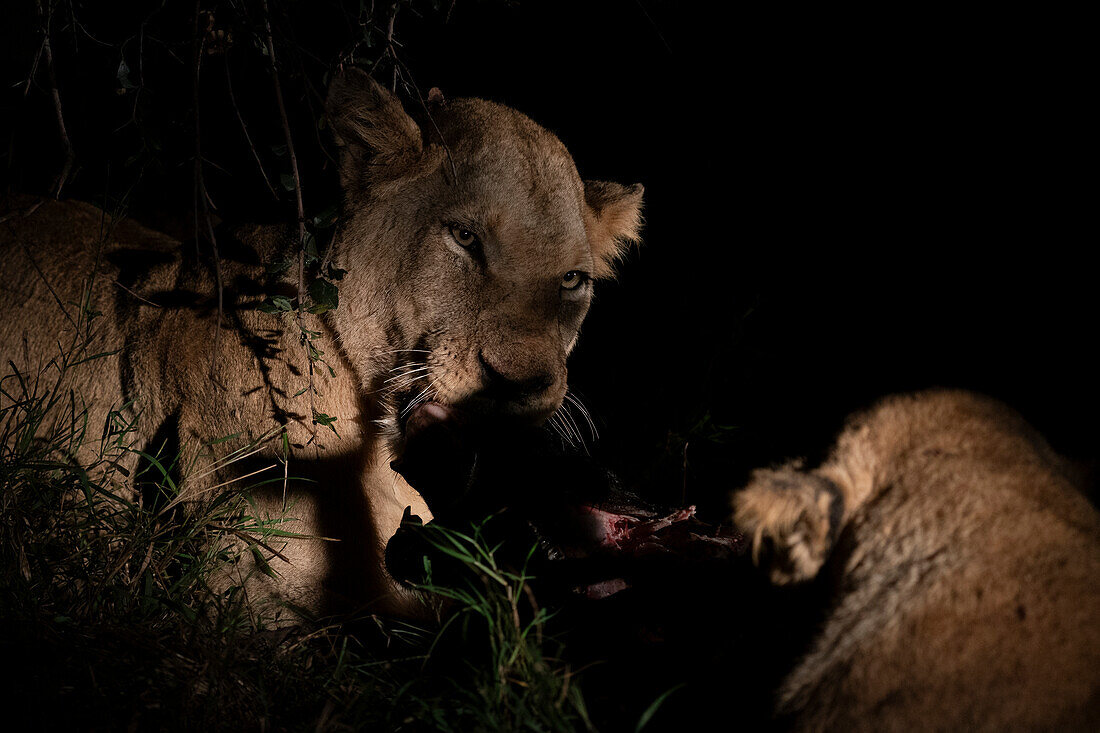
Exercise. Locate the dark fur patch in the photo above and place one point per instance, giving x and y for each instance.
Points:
(836, 508)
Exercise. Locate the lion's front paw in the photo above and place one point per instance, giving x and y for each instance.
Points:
(793, 518)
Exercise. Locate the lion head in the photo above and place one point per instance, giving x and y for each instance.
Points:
(471, 246)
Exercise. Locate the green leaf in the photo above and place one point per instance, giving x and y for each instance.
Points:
(276, 304)
(287, 180)
(332, 272)
(327, 217)
(123, 76)
(324, 420)
(278, 268)
(262, 563)
(309, 244)
(654, 706)
(324, 296)
(95, 356)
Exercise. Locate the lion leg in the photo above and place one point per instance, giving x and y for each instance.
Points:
(793, 517)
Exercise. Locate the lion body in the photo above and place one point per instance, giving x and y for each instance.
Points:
(964, 565)
(157, 314)
(486, 331)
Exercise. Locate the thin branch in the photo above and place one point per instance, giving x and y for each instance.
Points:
(202, 197)
(301, 213)
(56, 297)
(656, 27)
(407, 75)
(328, 250)
(310, 95)
(47, 52)
(389, 43)
(286, 130)
(22, 214)
(250, 539)
(131, 292)
(684, 475)
(244, 129)
(34, 66)
(286, 465)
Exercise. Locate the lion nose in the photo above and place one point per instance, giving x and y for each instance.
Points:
(513, 387)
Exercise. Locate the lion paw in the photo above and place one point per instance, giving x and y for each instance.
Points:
(793, 518)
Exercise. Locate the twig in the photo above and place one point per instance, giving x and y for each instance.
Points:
(531, 599)
(248, 538)
(140, 63)
(427, 111)
(301, 212)
(311, 94)
(389, 43)
(46, 282)
(34, 66)
(684, 475)
(11, 138)
(22, 214)
(286, 465)
(202, 198)
(131, 292)
(244, 129)
(656, 27)
(328, 250)
(47, 51)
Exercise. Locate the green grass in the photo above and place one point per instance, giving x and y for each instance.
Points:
(519, 683)
(112, 618)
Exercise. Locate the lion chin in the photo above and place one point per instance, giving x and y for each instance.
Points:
(471, 246)
(964, 567)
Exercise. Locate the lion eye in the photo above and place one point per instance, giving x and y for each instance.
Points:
(573, 279)
(464, 237)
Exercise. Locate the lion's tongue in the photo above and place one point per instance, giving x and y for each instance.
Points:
(437, 459)
(424, 416)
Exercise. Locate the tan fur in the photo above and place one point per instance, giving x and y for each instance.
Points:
(408, 287)
(967, 573)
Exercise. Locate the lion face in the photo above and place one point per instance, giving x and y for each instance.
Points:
(471, 252)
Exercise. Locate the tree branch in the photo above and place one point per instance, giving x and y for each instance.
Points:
(202, 198)
(47, 52)
(244, 129)
(301, 211)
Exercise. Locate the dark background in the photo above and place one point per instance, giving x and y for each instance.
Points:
(839, 204)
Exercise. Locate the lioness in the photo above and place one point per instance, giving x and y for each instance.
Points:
(471, 246)
(964, 566)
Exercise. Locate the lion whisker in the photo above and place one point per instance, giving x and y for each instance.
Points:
(585, 413)
(552, 426)
(406, 374)
(567, 418)
(557, 422)
(399, 386)
(424, 396)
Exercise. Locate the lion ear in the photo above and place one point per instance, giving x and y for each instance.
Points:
(370, 127)
(614, 222)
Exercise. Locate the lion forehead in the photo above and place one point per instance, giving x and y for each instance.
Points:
(494, 146)
(514, 178)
